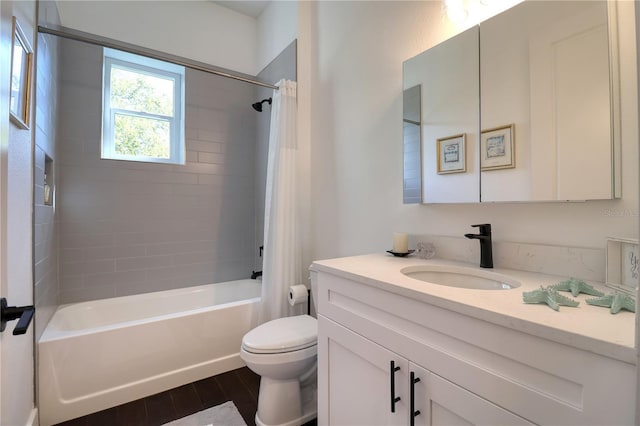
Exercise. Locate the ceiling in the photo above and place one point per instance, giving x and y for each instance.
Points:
(250, 8)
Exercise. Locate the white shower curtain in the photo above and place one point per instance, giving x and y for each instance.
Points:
(281, 266)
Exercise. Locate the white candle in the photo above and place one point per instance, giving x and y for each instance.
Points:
(400, 242)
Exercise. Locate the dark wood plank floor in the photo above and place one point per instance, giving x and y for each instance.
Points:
(240, 386)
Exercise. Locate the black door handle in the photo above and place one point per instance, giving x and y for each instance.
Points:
(24, 315)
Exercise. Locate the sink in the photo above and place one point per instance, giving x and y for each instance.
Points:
(460, 277)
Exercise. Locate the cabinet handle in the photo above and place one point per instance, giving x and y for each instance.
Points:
(414, 413)
(394, 398)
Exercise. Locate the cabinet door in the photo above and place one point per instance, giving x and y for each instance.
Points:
(355, 380)
(441, 402)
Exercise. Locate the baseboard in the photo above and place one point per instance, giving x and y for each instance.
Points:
(33, 418)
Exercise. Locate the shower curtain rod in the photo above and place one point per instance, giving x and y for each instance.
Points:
(149, 53)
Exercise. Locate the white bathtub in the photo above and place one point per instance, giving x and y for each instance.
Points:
(98, 354)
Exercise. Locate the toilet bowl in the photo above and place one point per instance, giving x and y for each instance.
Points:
(284, 353)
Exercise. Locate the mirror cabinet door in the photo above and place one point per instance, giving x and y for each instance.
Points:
(544, 70)
(448, 76)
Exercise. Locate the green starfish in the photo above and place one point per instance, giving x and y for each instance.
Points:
(576, 287)
(549, 296)
(616, 302)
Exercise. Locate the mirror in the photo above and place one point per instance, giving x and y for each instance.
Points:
(544, 71)
(412, 145)
(448, 75)
(548, 130)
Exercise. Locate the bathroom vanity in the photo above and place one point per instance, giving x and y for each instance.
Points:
(393, 349)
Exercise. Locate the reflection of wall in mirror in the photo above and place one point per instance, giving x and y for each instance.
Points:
(449, 77)
(544, 67)
(570, 107)
(564, 149)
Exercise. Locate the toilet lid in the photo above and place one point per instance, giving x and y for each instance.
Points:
(282, 335)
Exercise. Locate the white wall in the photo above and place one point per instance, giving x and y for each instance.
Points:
(277, 28)
(356, 140)
(199, 30)
(16, 278)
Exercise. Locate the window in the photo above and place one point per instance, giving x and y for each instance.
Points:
(143, 109)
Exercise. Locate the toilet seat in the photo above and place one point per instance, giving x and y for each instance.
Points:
(282, 335)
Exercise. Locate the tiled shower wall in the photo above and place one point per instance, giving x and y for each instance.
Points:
(127, 227)
(45, 253)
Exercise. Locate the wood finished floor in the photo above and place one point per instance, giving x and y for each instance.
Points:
(240, 386)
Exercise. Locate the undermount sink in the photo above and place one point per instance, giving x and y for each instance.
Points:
(461, 277)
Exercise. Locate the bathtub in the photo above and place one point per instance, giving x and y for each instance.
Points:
(98, 354)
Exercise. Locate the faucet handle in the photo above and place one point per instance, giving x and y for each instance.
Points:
(485, 228)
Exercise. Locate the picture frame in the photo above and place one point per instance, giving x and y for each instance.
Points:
(497, 148)
(21, 75)
(452, 154)
(622, 264)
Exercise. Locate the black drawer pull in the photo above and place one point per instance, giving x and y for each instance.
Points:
(394, 398)
(414, 413)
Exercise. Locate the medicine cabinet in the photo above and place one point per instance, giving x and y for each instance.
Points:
(523, 107)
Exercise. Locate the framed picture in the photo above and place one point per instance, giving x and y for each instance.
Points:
(497, 148)
(622, 264)
(21, 68)
(452, 154)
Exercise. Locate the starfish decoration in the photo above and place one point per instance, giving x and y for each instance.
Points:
(616, 302)
(549, 296)
(576, 287)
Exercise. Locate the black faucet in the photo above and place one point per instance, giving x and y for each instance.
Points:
(486, 253)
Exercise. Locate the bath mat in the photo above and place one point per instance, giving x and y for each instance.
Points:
(221, 415)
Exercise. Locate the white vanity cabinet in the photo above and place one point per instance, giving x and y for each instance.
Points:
(369, 385)
(360, 378)
(438, 402)
(470, 371)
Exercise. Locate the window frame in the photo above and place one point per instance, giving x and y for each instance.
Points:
(142, 65)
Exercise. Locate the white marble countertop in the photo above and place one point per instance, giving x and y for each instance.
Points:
(587, 327)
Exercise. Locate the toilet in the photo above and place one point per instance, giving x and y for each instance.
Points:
(284, 353)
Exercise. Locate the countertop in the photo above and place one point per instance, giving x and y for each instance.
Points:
(586, 327)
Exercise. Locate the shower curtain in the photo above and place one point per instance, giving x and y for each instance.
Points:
(281, 264)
